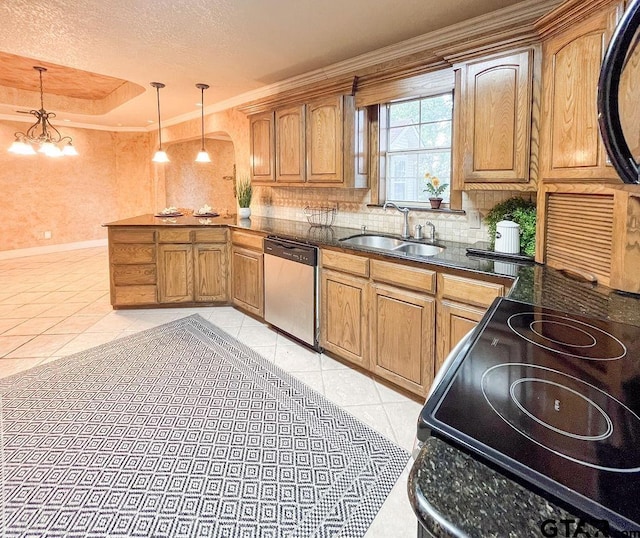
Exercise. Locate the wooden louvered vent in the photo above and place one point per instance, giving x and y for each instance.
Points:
(579, 233)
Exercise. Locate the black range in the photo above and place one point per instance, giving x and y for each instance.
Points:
(553, 399)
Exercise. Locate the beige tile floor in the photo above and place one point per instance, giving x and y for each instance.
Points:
(54, 305)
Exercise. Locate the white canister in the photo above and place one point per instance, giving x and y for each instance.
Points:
(507, 237)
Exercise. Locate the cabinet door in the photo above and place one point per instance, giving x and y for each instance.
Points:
(455, 320)
(262, 133)
(324, 140)
(290, 145)
(210, 272)
(248, 280)
(570, 145)
(344, 317)
(402, 337)
(497, 101)
(175, 273)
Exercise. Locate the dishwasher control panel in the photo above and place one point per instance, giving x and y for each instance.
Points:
(291, 250)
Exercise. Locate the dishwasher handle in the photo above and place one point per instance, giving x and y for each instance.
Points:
(290, 250)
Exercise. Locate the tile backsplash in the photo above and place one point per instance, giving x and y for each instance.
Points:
(352, 211)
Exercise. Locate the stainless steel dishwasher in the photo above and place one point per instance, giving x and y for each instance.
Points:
(291, 288)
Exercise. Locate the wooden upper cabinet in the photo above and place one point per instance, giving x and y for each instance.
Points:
(262, 134)
(290, 144)
(571, 147)
(324, 143)
(324, 130)
(496, 118)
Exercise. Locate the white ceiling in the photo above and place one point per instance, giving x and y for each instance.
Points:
(235, 46)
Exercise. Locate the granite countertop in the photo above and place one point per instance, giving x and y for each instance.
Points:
(534, 284)
(456, 495)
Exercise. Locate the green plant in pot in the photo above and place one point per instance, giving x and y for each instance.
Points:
(520, 211)
(244, 192)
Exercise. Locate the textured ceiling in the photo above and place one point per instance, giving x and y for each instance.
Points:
(235, 46)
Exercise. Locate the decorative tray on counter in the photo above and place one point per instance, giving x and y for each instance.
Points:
(170, 211)
(483, 248)
(205, 215)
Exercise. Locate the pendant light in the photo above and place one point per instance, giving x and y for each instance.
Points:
(161, 155)
(42, 135)
(203, 156)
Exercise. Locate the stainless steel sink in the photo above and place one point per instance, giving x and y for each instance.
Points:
(419, 249)
(392, 244)
(374, 241)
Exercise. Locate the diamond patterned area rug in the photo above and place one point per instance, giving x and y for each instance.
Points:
(181, 430)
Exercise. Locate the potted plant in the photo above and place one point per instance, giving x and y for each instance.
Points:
(435, 189)
(244, 193)
(518, 210)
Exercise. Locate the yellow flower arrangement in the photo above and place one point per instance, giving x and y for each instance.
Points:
(433, 185)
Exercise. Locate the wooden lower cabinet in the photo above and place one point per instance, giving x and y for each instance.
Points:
(175, 273)
(192, 273)
(402, 337)
(210, 273)
(344, 316)
(455, 320)
(132, 265)
(247, 286)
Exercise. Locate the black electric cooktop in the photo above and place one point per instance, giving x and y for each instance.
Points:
(554, 399)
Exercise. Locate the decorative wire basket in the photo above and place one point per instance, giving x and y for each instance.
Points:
(320, 216)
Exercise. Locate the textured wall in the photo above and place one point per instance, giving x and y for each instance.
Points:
(112, 178)
(191, 185)
(72, 196)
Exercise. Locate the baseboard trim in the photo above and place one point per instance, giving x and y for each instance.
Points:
(35, 251)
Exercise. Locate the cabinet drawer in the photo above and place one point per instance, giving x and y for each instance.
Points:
(404, 276)
(347, 263)
(127, 275)
(132, 236)
(132, 254)
(211, 235)
(181, 235)
(469, 291)
(134, 295)
(248, 240)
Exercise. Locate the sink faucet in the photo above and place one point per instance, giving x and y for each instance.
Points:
(432, 231)
(405, 212)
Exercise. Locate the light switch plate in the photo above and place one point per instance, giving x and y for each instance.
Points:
(474, 219)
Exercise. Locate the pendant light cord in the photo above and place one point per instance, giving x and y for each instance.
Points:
(202, 114)
(40, 70)
(159, 129)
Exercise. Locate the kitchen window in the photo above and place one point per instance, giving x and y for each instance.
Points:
(418, 141)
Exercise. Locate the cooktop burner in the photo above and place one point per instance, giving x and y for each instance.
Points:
(553, 398)
(568, 336)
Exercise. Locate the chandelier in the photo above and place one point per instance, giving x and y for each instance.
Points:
(42, 135)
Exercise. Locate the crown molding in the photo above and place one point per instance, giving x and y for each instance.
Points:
(510, 27)
(568, 13)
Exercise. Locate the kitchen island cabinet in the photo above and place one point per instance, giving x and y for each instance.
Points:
(161, 264)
